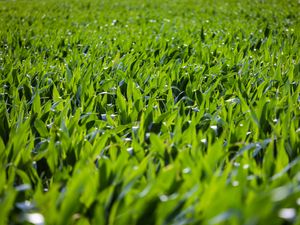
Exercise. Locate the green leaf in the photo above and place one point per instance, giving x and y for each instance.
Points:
(36, 104)
(41, 128)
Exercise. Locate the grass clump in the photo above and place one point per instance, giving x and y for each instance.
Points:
(129, 112)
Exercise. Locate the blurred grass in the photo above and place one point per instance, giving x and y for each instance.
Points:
(149, 112)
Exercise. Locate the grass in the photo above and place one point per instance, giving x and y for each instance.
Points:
(149, 112)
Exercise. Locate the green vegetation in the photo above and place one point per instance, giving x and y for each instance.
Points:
(150, 112)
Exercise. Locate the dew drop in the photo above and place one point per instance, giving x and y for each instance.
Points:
(287, 213)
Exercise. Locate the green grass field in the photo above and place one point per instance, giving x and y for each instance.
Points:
(150, 112)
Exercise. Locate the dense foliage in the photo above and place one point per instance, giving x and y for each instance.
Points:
(149, 112)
